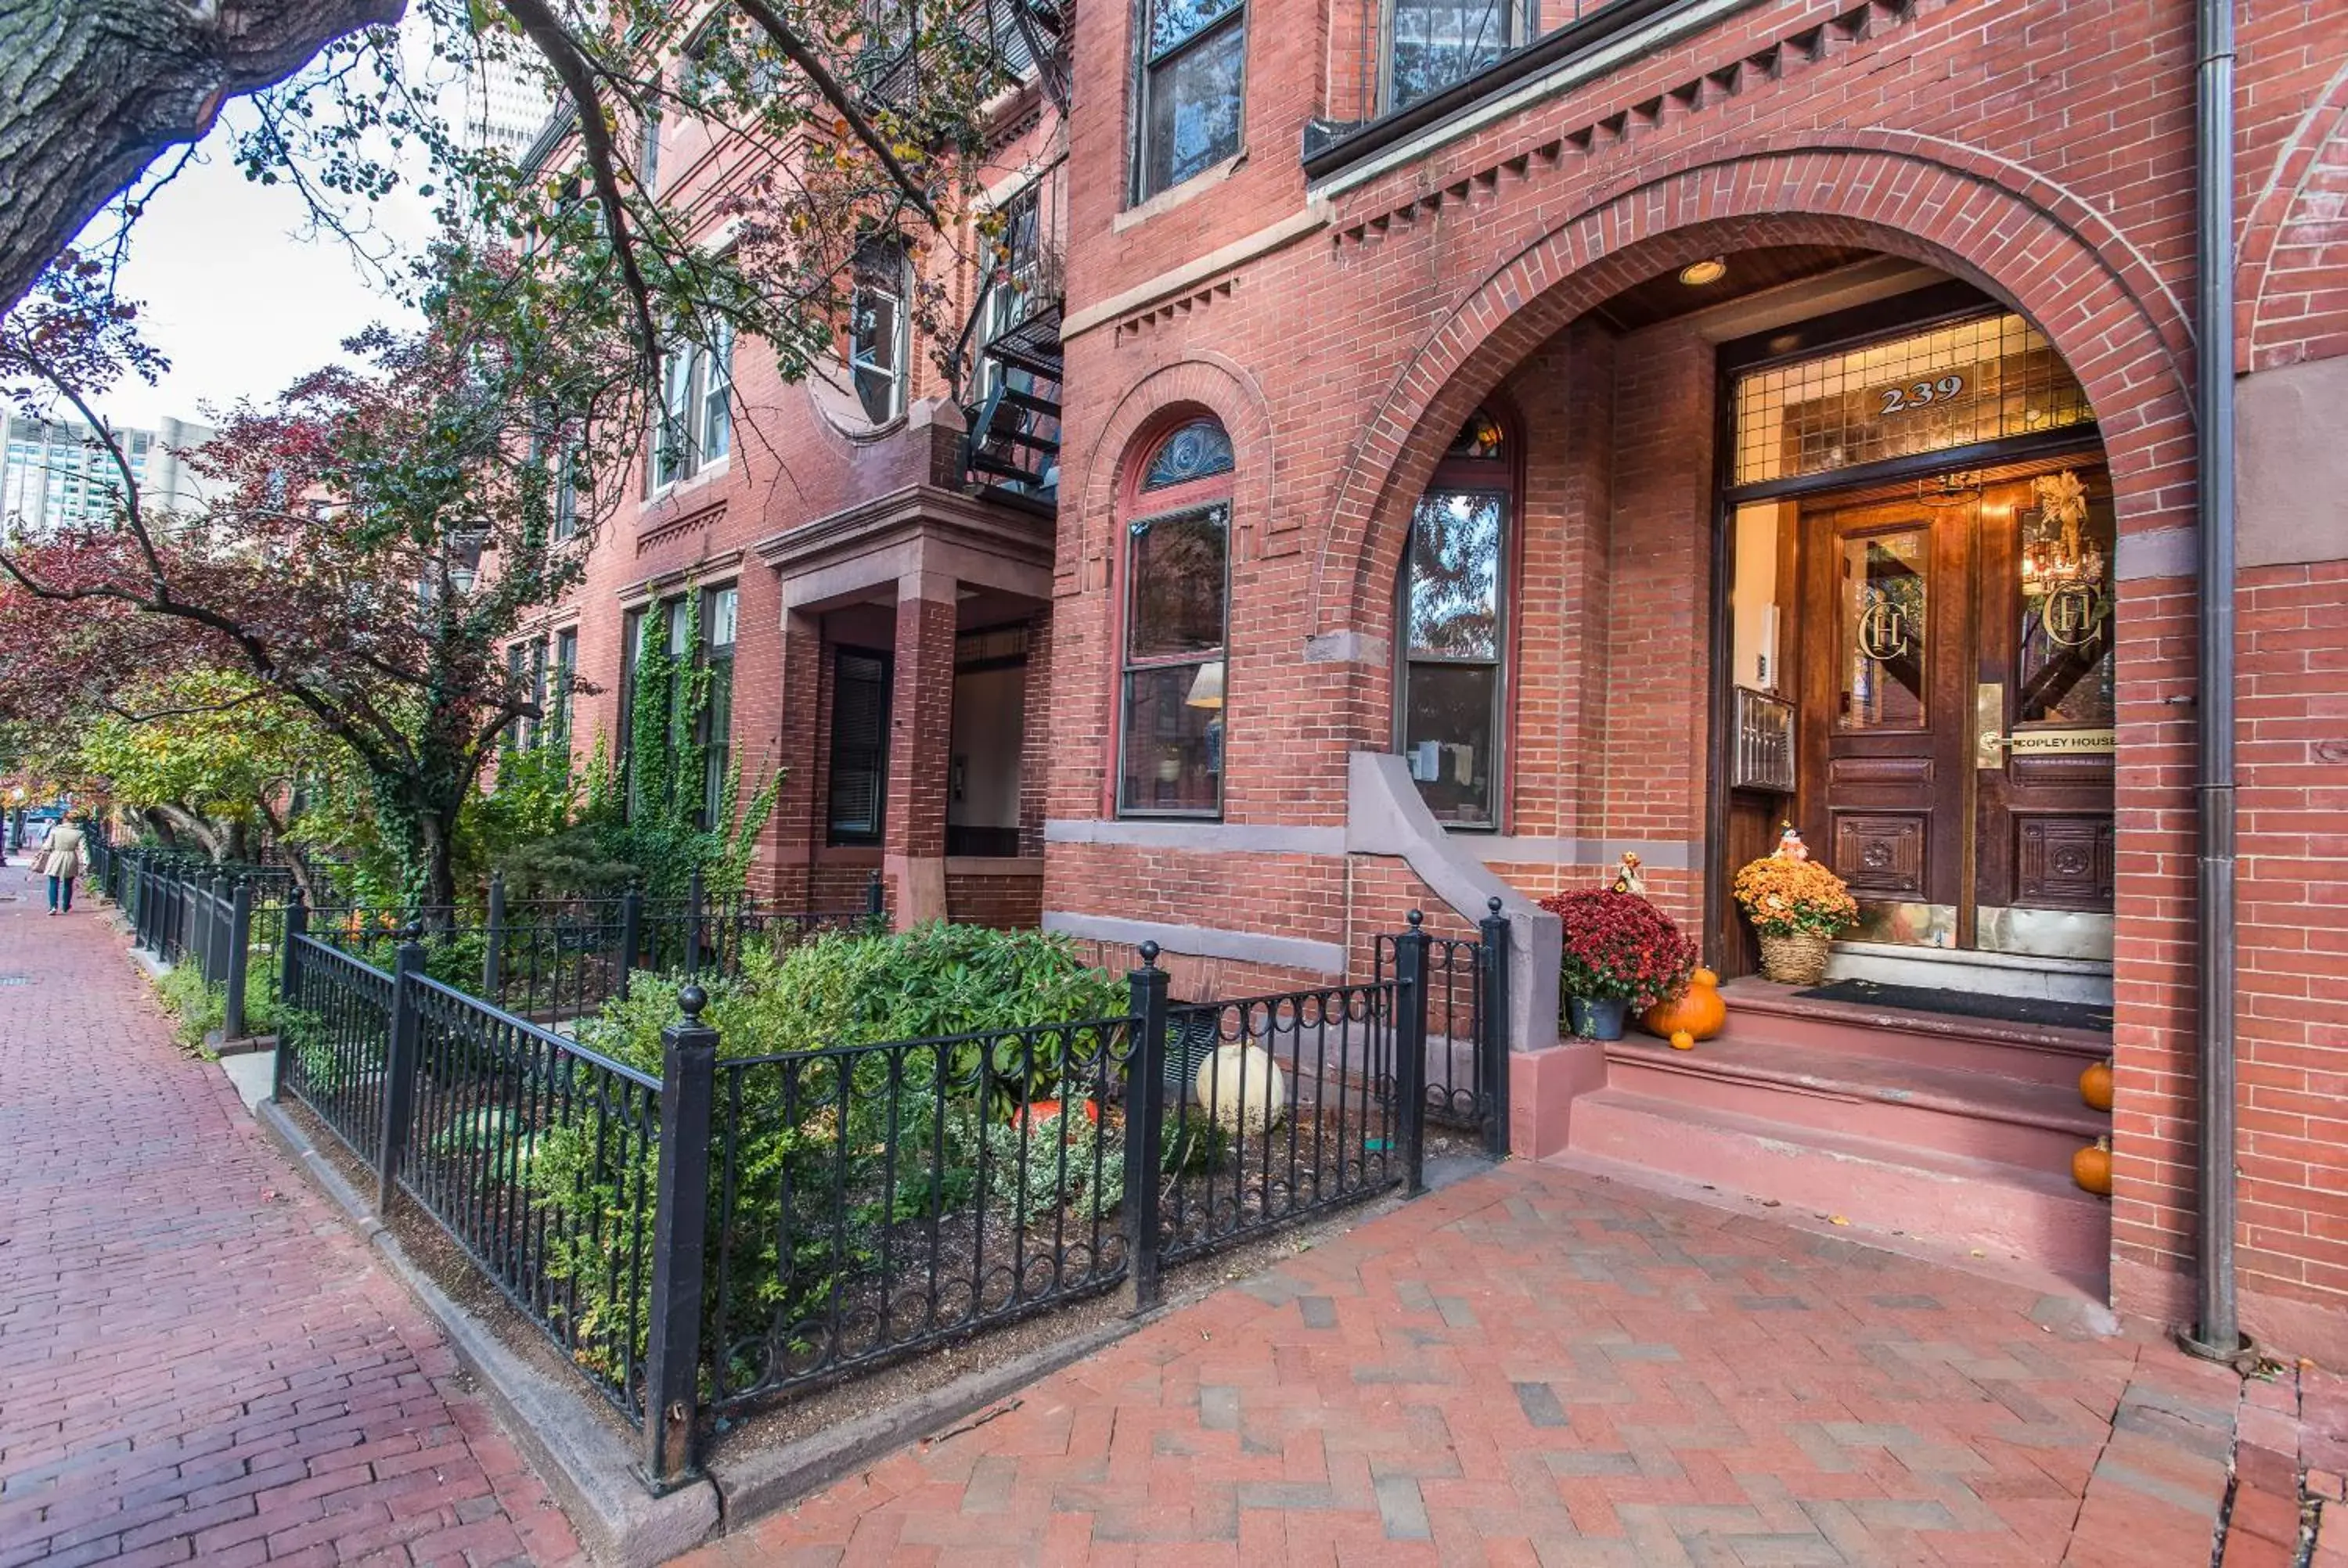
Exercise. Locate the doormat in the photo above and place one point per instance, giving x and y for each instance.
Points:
(1965, 1004)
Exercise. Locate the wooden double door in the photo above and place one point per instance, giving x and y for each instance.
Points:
(1956, 701)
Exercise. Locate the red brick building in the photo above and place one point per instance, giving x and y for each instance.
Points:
(1494, 439)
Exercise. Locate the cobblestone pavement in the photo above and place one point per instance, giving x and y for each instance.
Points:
(1538, 1366)
(199, 1362)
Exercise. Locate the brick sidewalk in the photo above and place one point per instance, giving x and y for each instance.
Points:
(1535, 1365)
(198, 1361)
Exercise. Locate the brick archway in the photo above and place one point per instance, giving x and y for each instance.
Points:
(1208, 382)
(2120, 329)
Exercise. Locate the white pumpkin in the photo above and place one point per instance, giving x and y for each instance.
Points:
(1242, 1081)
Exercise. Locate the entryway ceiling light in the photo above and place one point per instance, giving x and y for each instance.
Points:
(1711, 269)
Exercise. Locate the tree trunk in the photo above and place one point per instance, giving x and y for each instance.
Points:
(91, 93)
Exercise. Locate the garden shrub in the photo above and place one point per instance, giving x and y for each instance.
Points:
(832, 1147)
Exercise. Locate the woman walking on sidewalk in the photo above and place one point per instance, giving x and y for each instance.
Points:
(61, 860)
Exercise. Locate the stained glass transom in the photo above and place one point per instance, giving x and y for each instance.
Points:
(1197, 451)
(1479, 437)
(1969, 380)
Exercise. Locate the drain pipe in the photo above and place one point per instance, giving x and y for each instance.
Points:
(2215, 1332)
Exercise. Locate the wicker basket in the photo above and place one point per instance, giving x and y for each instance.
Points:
(1797, 960)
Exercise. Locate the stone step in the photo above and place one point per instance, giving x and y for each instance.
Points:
(1760, 1012)
(1902, 1103)
(2006, 1212)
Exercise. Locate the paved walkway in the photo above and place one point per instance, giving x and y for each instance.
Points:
(199, 1361)
(1538, 1366)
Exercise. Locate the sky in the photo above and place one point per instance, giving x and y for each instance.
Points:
(234, 296)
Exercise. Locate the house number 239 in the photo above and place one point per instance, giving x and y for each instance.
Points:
(1900, 399)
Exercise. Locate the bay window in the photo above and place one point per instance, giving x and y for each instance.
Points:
(695, 428)
(878, 329)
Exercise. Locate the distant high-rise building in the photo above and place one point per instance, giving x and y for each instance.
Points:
(56, 472)
(504, 105)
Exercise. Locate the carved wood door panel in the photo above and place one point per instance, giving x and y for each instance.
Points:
(2044, 717)
(1956, 679)
(1886, 686)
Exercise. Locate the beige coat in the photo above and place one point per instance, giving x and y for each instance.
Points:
(62, 854)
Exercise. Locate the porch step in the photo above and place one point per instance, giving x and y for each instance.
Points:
(2006, 1212)
(1903, 1104)
(1763, 1013)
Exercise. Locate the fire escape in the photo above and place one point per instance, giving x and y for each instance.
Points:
(1011, 344)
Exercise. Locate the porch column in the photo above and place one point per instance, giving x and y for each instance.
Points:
(920, 740)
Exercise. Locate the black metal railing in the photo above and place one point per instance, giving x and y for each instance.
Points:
(540, 1158)
(553, 960)
(745, 1224)
(334, 1040)
(1467, 1067)
(871, 1199)
(224, 918)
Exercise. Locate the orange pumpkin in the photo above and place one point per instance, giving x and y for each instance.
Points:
(1682, 1040)
(2092, 1167)
(1698, 1012)
(2095, 1085)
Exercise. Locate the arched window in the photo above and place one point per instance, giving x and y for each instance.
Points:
(1452, 613)
(1170, 727)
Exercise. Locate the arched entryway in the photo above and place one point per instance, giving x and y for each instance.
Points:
(1796, 528)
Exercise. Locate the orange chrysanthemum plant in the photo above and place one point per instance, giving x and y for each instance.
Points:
(1785, 898)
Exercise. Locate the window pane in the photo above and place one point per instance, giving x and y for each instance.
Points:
(1173, 742)
(1447, 738)
(2066, 675)
(1455, 575)
(1883, 624)
(860, 736)
(717, 733)
(1197, 450)
(716, 399)
(1172, 21)
(1177, 586)
(725, 609)
(876, 346)
(1194, 110)
(1439, 41)
(671, 445)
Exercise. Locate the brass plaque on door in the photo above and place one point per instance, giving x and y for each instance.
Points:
(2064, 743)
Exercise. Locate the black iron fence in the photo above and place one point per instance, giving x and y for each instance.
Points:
(553, 960)
(550, 960)
(753, 1220)
(225, 920)
(1467, 1052)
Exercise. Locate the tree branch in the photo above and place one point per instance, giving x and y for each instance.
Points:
(796, 50)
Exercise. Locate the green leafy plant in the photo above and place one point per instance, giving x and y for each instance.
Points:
(828, 1147)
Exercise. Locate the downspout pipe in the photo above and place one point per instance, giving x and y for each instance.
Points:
(2216, 1331)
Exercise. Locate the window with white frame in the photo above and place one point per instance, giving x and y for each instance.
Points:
(1193, 76)
(696, 426)
(878, 329)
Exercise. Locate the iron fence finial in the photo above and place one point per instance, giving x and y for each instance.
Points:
(1149, 951)
(1493, 904)
(690, 1000)
(1416, 917)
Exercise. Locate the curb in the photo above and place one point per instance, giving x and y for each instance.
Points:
(588, 1467)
